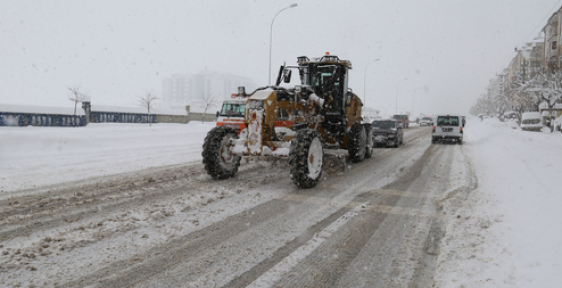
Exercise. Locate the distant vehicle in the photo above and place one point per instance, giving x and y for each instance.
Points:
(387, 133)
(426, 121)
(402, 119)
(531, 121)
(232, 113)
(448, 128)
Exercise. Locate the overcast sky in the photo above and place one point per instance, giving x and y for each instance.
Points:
(447, 50)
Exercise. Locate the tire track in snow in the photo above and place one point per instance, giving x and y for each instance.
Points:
(388, 199)
(58, 207)
(155, 261)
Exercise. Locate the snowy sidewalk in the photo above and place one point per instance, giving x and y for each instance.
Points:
(508, 234)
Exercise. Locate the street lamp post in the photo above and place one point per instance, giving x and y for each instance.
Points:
(414, 94)
(270, 40)
(365, 80)
(397, 93)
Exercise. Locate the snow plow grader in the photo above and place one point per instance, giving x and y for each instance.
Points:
(297, 123)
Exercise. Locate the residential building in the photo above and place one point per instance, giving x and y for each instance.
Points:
(552, 42)
(527, 63)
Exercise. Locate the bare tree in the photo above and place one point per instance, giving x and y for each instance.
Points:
(147, 101)
(208, 99)
(76, 96)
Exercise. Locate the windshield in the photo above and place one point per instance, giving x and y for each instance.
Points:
(399, 116)
(233, 109)
(426, 119)
(384, 124)
(448, 121)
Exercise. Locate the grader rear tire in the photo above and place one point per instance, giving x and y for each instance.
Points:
(356, 142)
(306, 158)
(217, 157)
(369, 140)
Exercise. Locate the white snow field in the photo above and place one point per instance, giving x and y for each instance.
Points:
(37, 156)
(506, 234)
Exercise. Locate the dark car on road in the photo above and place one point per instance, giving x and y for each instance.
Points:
(387, 133)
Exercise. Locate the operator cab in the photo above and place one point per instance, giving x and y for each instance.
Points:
(327, 76)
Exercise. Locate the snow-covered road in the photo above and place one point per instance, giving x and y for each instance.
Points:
(130, 206)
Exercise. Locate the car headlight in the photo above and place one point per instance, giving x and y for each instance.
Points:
(391, 135)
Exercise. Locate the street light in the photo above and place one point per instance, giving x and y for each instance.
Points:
(365, 80)
(414, 94)
(271, 36)
(397, 93)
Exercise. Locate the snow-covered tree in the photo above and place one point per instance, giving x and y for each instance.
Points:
(546, 88)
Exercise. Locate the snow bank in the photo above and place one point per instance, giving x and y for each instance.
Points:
(508, 234)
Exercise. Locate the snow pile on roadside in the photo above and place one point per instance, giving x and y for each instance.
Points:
(35, 156)
(508, 233)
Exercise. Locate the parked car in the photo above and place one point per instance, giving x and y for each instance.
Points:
(449, 128)
(387, 133)
(531, 121)
(402, 119)
(426, 121)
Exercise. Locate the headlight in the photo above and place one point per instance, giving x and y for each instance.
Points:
(391, 135)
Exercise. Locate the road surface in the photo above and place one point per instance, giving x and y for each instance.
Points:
(375, 224)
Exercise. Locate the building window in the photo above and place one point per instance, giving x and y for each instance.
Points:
(553, 45)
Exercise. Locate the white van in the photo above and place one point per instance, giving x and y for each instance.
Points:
(447, 128)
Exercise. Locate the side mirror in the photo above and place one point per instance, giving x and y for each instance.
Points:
(218, 113)
(280, 75)
(287, 75)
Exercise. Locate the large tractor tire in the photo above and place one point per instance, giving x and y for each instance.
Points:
(356, 142)
(369, 143)
(219, 161)
(306, 158)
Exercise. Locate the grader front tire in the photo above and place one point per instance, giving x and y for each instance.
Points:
(306, 158)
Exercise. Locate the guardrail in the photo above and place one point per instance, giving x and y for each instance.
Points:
(18, 115)
(35, 119)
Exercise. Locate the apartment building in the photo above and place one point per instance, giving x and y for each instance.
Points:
(180, 90)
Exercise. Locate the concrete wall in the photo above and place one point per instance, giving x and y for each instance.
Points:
(209, 117)
(181, 119)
